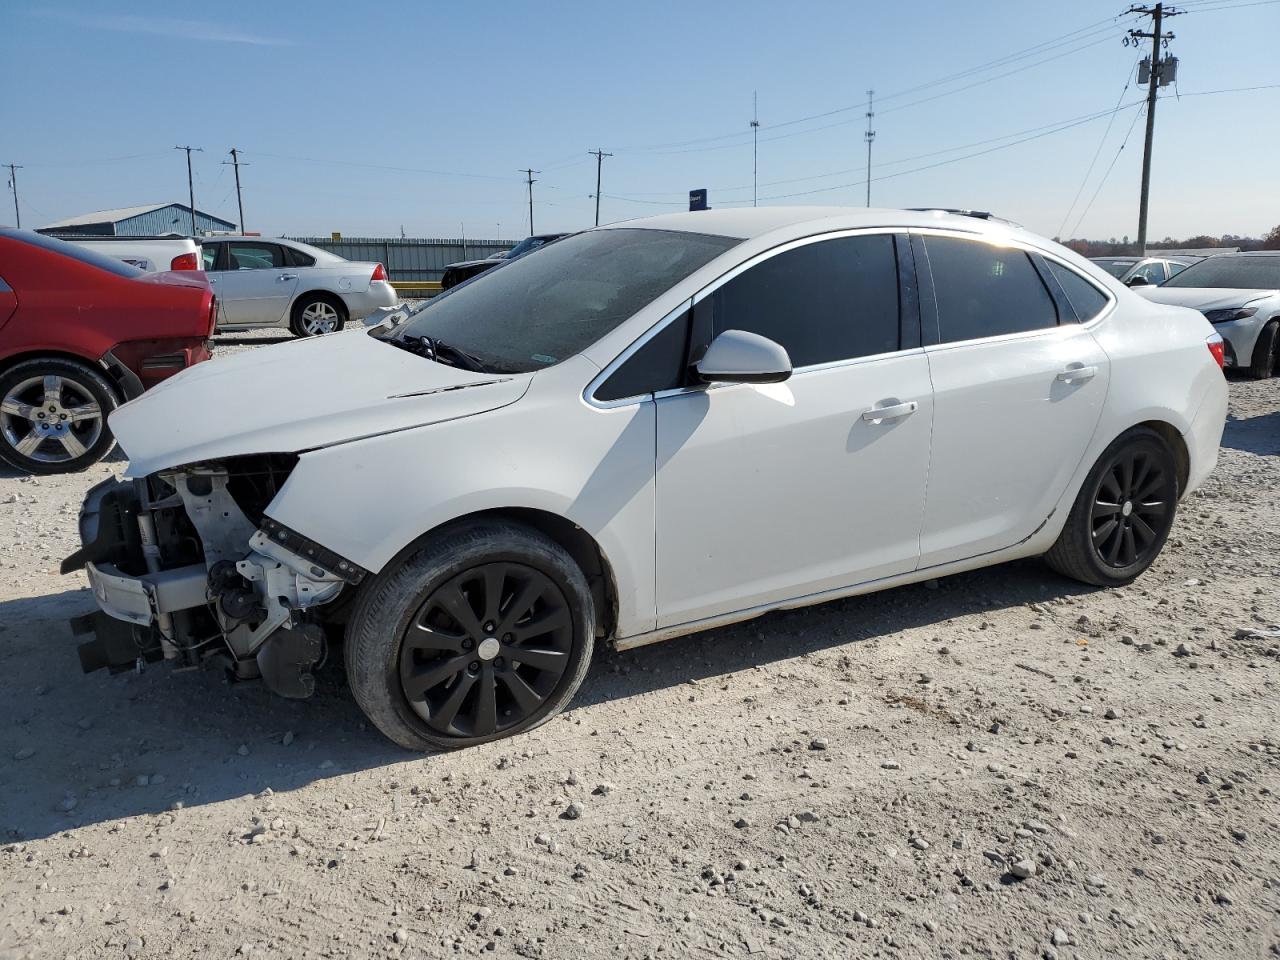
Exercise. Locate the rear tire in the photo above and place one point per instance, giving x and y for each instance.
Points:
(53, 415)
(1264, 352)
(317, 313)
(1123, 513)
(434, 648)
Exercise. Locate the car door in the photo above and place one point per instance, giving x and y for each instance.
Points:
(777, 491)
(1018, 387)
(254, 284)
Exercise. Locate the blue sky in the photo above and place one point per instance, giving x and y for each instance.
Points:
(364, 119)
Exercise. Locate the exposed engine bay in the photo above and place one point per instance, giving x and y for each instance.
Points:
(187, 567)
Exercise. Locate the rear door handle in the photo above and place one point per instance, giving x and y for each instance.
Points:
(287, 276)
(1077, 373)
(893, 412)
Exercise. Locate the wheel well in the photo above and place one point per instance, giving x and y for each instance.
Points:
(579, 544)
(17, 358)
(1174, 439)
(332, 297)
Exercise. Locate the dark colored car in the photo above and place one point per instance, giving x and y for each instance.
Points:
(1140, 271)
(80, 333)
(456, 273)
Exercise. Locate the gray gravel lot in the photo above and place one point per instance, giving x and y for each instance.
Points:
(999, 764)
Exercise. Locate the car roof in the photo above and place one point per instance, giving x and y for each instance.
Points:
(748, 222)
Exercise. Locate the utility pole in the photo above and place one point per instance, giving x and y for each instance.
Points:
(1157, 15)
(870, 135)
(235, 162)
(191, 189)
(755, 145)
(599, 154)
(529, 172)
(13, 182)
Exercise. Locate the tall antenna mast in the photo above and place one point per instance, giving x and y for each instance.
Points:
(870, 136)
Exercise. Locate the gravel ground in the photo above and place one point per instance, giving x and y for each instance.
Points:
(1000, 764)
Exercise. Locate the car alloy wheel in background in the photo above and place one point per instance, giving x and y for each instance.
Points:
(317, 316)
(53, 416)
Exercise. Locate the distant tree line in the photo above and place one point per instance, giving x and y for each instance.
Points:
(1122, 246)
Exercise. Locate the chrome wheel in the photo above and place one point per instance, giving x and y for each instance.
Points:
(486, 650)
(1132, 509)
(51, 419)
(319, 317)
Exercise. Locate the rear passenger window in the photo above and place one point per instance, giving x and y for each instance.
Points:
(986, 291)
(1086, 299)
(826, 301)
(296, 258)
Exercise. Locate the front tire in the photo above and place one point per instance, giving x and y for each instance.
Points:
(1123, 513)
(485, 632)
(53, 416)
(316, 313)
(1264, 352)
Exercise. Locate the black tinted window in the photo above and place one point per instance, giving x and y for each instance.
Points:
(1222, 271)
(831, 300)
(536, 311)
(297, 258)
(986, 291)
(657, 365)
(1085, 299)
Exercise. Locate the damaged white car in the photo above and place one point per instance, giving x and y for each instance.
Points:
(646, 430)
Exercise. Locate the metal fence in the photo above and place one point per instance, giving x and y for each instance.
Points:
(410, 261)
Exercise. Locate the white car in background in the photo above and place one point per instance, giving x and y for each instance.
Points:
(264, 282)
(647, 430)
(1239, 293)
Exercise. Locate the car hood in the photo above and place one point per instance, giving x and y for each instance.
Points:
(1202, 298)
(299, 396)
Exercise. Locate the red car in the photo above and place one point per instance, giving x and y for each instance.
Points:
(80, 334)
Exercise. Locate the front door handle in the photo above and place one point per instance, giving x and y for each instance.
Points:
(287, 276)
(1077, 373)
(892, 412)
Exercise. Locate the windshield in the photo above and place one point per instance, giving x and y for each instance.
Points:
(1117, 268)
(537, 311)
(1222, 272)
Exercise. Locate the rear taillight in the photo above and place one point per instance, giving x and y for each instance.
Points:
(379, 273)
(213, 315)
(1217, 348)
(187, 261)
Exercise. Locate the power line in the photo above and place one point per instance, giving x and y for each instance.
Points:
(1096, 153)
(1123, 143)
(870, 136)
(755, 145)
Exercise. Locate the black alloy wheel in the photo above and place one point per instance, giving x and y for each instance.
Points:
(1132, 508)
(1122, 514)
(486, 650)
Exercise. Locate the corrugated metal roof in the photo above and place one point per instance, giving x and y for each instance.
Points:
(108, 216)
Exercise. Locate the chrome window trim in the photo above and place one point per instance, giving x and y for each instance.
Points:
(1027, 247)
(711, 287)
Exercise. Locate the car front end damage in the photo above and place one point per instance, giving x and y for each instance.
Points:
(186, 566)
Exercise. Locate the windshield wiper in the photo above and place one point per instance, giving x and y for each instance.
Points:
(439, 351)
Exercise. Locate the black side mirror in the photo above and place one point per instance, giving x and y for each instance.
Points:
(1138, 281)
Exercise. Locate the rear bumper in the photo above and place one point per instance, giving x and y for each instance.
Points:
(1205, 435)
(364, 302)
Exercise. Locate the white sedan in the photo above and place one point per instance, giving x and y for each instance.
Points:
(283, 283)
(646, 430)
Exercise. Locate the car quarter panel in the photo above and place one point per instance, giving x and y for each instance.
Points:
(591, 466)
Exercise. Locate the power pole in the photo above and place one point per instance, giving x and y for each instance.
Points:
(1157, 15)
(870, 135)
(529, 172)
(191, 189)
(599, 155)
(755, 145)
(235, 162)
(13, 182)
